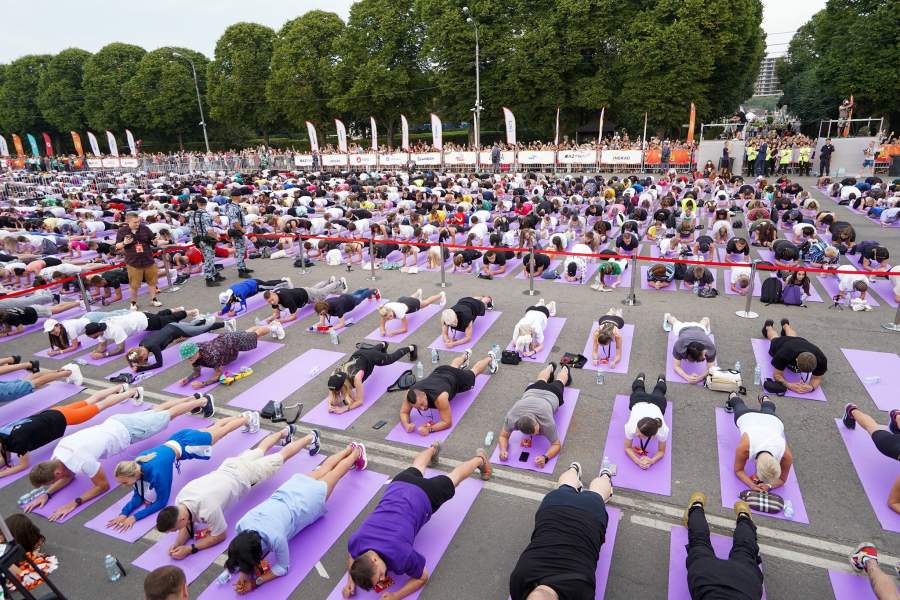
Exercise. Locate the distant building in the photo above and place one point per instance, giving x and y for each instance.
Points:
(766, 82)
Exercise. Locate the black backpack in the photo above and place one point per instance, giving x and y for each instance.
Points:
(771, 291)
(404, 382)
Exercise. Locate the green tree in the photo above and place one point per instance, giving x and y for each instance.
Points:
(380, 73)
(61, 94)
(161, 97)
(798, 73)
(105, 74)
(237, 78)
(304, 60)
(18, 103)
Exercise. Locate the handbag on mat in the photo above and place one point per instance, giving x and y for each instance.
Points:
(510, 357)
(766, 502)
(724, 380)
(576, 361)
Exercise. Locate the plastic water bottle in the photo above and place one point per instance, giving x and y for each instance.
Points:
(314, 371)
(420, 370)
(31, 495)
(435, 356)
(113, 568)
(737, 366)
(495, 352)
(788, 509)
(223, 577)
(335, 340)
(488, 439)
(600, 377)
(871, 380)
(757, 375)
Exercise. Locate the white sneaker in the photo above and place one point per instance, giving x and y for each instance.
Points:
(443, 298)
(138, 398)
(231, 325)
(278, 254)
(287, 280)
(418, 294)
(277, 330)
(552, 308)
(540, 302)
(133, 306)
(595, 286)
(75, 377)
(468, 355)
(344, 286)
(254, 422)
(412, 270)
(667, 327)
(332, 279)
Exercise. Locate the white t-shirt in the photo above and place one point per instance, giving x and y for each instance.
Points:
(398, 308)
(74, 327)
(845, 282)
(849, 189)
(479, 230)
(209, 496)
(737, 272)
(94, 226)
(118, 329)
(405, 232)
(484, 216)
(537, 320)
(363, 226)
(81, 452)
(766, 433)
(640, 411)
(316, 226)
(64, 268)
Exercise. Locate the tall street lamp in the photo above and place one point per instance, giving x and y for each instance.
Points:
(199, 101)
(477, 110)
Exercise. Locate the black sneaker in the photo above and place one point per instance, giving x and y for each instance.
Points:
(220, 277)
(729, 404)
(35, 366)
(766, 325)
(181, 279)
(16, 359)
(783, 323)
(413, 352)
(244, 275)
(553, 367)
(290, 435)
(210, 409)
(849, 421)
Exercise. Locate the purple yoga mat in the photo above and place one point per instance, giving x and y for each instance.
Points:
(231, 445)
(627, 333)
(286, 380)
(551, 334)
(831, 287)
(885, 290)
(84, 343)
(876, 472)
(655, 480)
(673, 285)
(885, 365)
(728, 437)
(766, 254)
(82, 483)
(678, 585)
(540, 444)
(254, 303)
(130, 342)
(171, 357)
(757, 285)
(715, 274)
(480, 327)
(459, 405)
(194, 565)
(689, 367)
(244, 359)
(374, 388)
(37, 400)
(761, 353)
(432, 540)
(414, 321)
(350, 497)
(301, 313)
(847, 586)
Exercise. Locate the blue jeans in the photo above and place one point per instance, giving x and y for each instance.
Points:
(361, 294)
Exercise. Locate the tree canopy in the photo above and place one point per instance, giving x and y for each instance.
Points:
(60, 93)
(105, 74)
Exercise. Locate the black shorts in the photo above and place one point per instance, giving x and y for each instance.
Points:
(619, 321)
(556, 388)
(541, 309)
(412, 304)
(887, 443)
(439, 489)
(464, 378)
(586, 500)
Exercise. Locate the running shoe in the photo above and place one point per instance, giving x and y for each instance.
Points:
(467, 354)
(849, 421)
(277, 330)
(413, 352)
(864, 553)
(314, 445)
(209, 409)
(75, 374)
(766, 325)
(667, 327)
(288, 282)
(138, 398)
(577, 467)
(35, 366)
(289, 436)
(437, 453)
(344, 286)
(443, 298)
(363, 460)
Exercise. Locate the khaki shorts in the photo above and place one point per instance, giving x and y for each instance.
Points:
(252, 466)
(138, 275)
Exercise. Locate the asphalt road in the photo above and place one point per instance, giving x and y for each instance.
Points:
(496, 529)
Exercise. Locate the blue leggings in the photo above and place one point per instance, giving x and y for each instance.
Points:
(361, 294)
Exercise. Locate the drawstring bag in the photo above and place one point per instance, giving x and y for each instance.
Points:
(510, 357)
(406, 380)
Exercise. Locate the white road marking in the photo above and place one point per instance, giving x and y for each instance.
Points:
(320, 569)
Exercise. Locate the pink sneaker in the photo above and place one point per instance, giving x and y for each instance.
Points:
(362, 461)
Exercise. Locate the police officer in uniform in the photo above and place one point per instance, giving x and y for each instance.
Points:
(236, 230)
(205, 240)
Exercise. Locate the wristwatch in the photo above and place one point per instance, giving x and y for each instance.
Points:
(79, 501)
(257, 582)
(194, 549)
(546, 458)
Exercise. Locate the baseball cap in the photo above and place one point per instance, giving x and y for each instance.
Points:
(49, 324)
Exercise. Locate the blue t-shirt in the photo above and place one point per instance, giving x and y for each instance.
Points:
(392, 527)
(155, 484)
(245, 289)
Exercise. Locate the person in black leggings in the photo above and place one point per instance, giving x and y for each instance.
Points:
(345, 385)
(886, 439)
(138, 357)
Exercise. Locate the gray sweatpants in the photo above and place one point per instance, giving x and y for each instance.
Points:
(39, 297)
(322, 290)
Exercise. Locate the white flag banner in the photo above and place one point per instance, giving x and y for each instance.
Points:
(404, 128)
(4, 148)
(374, 134)
(510, 120)
(131, 145)
(95, 147)
(342, 135)
(600, 133)
(313, 138)
(437, 132)
(556, 137)
(111, 140)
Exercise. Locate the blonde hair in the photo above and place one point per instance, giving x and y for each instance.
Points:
(767, 468)
(448, 317)
(523, 342)
(384, 310)
(132, 468)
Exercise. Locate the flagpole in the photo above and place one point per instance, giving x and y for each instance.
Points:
(644, 143)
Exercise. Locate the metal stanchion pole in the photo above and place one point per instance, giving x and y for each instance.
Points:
(631, 298)
(895, 326)
(372, 257)
(302, 255)
(443, 282)
(530, 290)
(747, 313)
(85, 297)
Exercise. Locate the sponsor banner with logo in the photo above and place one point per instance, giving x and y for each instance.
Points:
(95, 163)
(110, 163)
(303, 160)
(395, 159)
(365, 160)
(427, 158)
(621, 157)
(129, 163)
(577, 157)
(506, 157)
(334, 160)
(460, 158)
(536, 157)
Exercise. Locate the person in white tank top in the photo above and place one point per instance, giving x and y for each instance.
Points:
(762, 442)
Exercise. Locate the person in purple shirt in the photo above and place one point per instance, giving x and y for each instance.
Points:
(383, 543)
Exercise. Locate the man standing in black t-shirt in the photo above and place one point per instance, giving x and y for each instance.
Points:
(789, 351)
(569, 529)
(825, 153)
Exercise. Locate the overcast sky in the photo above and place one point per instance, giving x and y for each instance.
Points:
(197, 24)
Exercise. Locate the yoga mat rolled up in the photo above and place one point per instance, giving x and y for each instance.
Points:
(479, 328)
(655, 480)
(551, 334)
(244, 359)
(374, 388)
(350, 497)
(728, 437)
(414, 321)
(876, 472)
(539, 443)
(431, 542)
(691, 368)
(885, 366)
(627, 333)
(287, 380)
(761, 354)
(458, 406)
